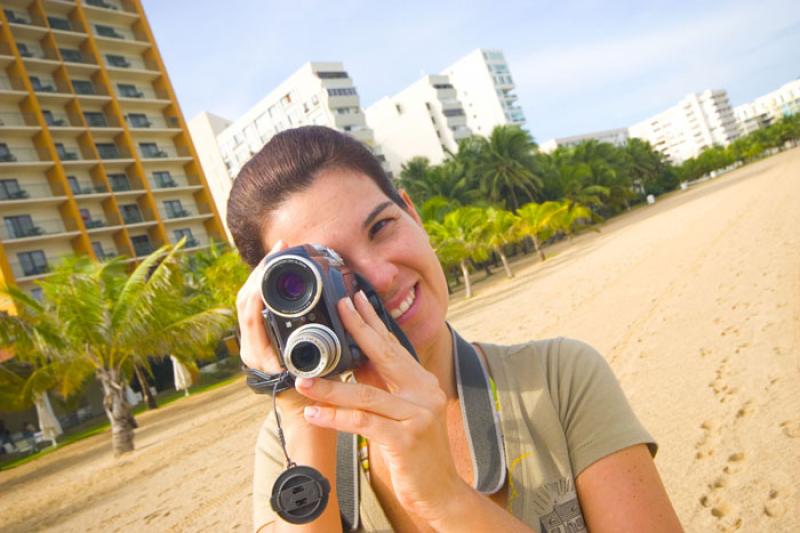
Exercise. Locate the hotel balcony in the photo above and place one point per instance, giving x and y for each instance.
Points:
(182, 214)
(110, 10)
(38, 230)
(24, 123)
(132, 93)
(12, 157)
(22, 25)
(115, 36)
(36, 194)
(172, 183)
(29, 272)
(151, 151)
(87, 190)
(143, 122)
(12, 90)
(117, 63)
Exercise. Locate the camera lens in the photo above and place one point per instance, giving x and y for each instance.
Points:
(312, 351)
(291, 286)
(305, 356)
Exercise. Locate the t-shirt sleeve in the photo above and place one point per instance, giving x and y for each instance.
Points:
(594, 412)
(269, 463)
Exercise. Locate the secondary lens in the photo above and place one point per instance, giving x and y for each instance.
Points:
(305, 357)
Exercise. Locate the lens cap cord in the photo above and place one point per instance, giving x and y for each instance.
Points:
(300, 494)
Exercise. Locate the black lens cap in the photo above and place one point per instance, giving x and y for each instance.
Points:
(300, 494)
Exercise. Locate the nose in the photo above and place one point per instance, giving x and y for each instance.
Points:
(381, 273)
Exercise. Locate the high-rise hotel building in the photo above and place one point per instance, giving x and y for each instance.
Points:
(95, 156)
(485, 87)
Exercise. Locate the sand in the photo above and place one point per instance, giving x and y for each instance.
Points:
(695, 302)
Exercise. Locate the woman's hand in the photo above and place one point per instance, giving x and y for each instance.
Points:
(256, 350)
(404, 419)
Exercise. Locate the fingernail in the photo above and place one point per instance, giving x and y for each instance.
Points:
(349, 303)
(311, 411)
(362, 297)
(303, 383)
(277, 245)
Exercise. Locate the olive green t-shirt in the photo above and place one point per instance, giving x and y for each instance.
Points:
(560, 409)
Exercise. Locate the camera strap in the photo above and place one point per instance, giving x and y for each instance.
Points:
(481, 425)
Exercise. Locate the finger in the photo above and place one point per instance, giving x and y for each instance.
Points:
(356, 396)
(374, 427)
(396, 366)
(256, 349)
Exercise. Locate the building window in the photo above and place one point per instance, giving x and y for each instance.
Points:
(36, 293)
(346, 91)
(331, 75)
(442, 86)
(127, 90)
(131, 213)
(107, 31)
(51, 120)
(64, 154)
(151, 150)
(10, 190)
(95, 119)
(119, 182)
(83, 86)
(399, 109)
(74, 185)
(191, 242)
(20, 226)
(97, 248)
(174, 209)
(138, 120)
(141, 245)
(118, 61)
(70, 55)
(458, 112)
(164, 179)
(107, 150)
(58, 23)
(33, 263)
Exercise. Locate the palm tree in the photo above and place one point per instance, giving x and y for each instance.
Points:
(536, 221)
(502, 228)
(571, 214)
(423, 181)
(460, 238)
(504, 166)
(106, 320)
(436, 207)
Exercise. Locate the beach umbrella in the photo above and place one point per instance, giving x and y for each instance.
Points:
(48, 423)
(183, 379)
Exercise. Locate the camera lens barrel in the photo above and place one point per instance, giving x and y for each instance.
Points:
(311, 351)
(291, 286)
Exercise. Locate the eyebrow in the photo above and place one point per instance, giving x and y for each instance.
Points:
(375, 212)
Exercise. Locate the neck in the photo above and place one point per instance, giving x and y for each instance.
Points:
(438, 360)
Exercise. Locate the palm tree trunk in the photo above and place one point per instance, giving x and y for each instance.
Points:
(505, 262)
(117, 410)
(538, 246)
(467, 283)
(148, 396)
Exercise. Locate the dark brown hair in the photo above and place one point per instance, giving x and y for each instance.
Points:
(289, 163)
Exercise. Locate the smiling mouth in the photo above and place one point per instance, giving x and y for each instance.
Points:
(406, 304)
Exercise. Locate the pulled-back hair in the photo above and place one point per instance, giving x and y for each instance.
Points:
(289, 163)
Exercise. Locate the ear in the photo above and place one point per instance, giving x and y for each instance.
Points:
(412, 211)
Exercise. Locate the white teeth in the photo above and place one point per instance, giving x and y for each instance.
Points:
(405, 304)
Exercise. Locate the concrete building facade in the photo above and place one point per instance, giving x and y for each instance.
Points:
(697, 122)
(95, 155)
(426, 119)
(485, 88)
(769, 108)
(617, 137)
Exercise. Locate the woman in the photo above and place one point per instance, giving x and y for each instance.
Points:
(568, 431)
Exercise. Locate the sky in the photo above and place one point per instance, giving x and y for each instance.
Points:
(578, 66)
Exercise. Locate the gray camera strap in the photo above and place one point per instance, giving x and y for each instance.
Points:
(481, 425)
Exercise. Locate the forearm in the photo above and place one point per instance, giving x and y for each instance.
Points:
(316, 447)
(468, 510)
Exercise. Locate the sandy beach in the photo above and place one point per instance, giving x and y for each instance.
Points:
(695, 301)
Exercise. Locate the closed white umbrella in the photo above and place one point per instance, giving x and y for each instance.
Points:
(48, 422)
(183, 379)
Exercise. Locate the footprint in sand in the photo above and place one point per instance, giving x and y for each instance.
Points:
(745, 410)
(791, 428)
(773, 507)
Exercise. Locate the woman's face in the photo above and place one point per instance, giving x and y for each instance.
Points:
(346, 211)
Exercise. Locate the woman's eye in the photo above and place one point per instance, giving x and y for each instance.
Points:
(378, 226)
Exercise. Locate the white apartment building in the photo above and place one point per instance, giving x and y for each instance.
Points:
(425, 119)
(697, 122)
(485, 88)
(769, 108)
(204, 129)
(617, 137)
(319, 93)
